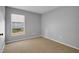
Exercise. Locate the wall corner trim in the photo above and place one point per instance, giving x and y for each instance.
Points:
(60, 42)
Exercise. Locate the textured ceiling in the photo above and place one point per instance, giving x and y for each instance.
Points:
(36, 9)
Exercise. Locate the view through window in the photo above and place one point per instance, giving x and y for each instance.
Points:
(17, 24)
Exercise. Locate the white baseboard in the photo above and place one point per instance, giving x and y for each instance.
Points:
(24, 39)
(61, 42)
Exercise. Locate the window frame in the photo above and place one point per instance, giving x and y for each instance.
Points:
(12, 27)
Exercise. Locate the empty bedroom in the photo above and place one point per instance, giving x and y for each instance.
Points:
(39, 29)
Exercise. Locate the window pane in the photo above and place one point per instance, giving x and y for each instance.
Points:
(17, 24)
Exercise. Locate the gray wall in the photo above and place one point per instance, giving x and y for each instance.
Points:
(62, 25)
(32, 26)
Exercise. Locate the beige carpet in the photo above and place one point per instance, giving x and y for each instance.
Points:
(37, 45)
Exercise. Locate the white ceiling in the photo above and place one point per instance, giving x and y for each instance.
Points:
(36, 9)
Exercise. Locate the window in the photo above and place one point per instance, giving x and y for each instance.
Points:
(17, 24)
